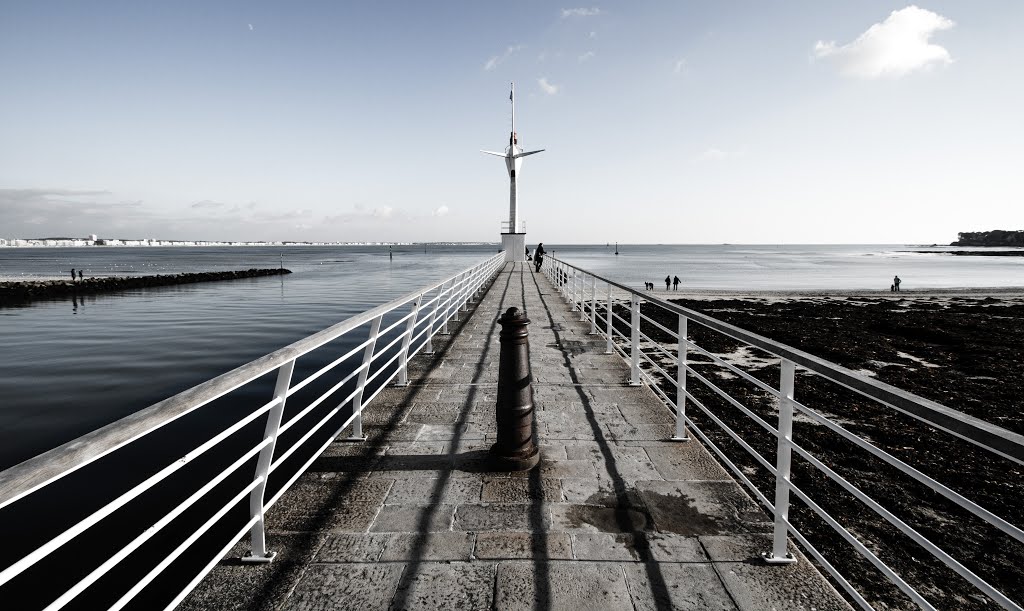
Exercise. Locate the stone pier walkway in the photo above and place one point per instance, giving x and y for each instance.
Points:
(614, 517)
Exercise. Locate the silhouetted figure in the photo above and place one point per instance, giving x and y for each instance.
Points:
(675, 283)
(72, 274)
(79, 274)
(528, 257)
(391, 255)
(538, 256)
(896, 283)
(668, 281)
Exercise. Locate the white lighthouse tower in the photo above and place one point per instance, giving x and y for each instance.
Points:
(513, 240)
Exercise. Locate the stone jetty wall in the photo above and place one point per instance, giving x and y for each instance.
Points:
(11, 292)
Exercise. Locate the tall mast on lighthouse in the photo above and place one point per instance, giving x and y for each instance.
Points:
(513, 241)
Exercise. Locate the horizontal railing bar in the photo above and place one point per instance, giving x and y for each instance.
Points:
(854, 594)
(44, 550)
(148, 534)
(150, 576)
(721, 393)
(316, 403)
(984, 434)
(316, 375)
(735, 436)
(302, 470)
(761, 498)
(743, 374)
(863, 550)
(36, 472)
(673, 334)
(909, 531)
(933, 484)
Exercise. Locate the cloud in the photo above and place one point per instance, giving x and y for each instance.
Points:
(440, 211)
(897, 46)
(593, 35)
(713, 154)
(493, 62)
(548, 88)
(208, 205)
(250, 27)
(680, 66)
(586, 56)
(580, 12)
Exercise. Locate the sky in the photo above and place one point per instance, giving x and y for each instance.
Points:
(806, 121)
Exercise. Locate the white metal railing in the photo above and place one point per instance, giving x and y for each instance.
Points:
(588, 293)
(429, 311)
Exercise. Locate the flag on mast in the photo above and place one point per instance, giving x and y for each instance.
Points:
(510, 91)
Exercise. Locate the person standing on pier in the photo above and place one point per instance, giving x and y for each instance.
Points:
(72, 274)
(668, 281)
(896, 283)
(538, 256)
(80, 274)
(675, 283)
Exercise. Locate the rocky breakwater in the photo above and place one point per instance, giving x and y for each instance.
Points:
(15, 292)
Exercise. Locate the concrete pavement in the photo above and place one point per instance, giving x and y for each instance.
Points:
(614, 517)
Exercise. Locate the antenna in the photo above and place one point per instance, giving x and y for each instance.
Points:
(512, 98)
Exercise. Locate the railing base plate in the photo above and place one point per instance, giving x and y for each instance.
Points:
(353, 439)
(259, 559)
(674, 438)
(770, 559)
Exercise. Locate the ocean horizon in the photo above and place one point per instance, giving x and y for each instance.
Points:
(77, 363)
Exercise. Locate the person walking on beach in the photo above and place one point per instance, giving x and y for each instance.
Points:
(668, 281)
(538, 256)
(675, 283)
(896, 283)
(72, 274)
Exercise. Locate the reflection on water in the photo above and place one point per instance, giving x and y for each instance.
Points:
(68, 374)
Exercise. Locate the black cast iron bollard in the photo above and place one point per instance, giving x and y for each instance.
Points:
(515, 449)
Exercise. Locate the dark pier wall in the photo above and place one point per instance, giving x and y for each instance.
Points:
(18, 292)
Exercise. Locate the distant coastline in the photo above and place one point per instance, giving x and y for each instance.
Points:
(117, 242)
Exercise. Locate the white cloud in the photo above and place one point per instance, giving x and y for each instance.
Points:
(713, 154)
(580, 12)
(586, 56)
(548, 88)
(493, 62)
(897, 46)
(384, 212)
(680, 66)
(250, 27)
(593, 35)
(440, 211)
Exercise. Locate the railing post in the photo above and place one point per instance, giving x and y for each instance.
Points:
(447, 302)
(457, 294)
(779, 554)
(680, 434)
(593, 305)
(634, 340)
(257, 538)
(429, 347)
(583, 298)
(403, 359)
(610, 346)
(357, 401)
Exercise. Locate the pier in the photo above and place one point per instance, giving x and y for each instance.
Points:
(616, 516)
(684, 463)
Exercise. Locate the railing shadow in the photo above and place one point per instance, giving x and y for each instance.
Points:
(288, 568)
(624, 507)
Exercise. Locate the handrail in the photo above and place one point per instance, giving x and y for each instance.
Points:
(989, 436)
(444, 300)
(36, 472)
(572, 282)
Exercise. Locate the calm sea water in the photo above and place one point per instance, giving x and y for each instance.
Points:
(72, 365)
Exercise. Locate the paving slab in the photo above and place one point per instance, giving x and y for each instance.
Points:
(614, 517)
